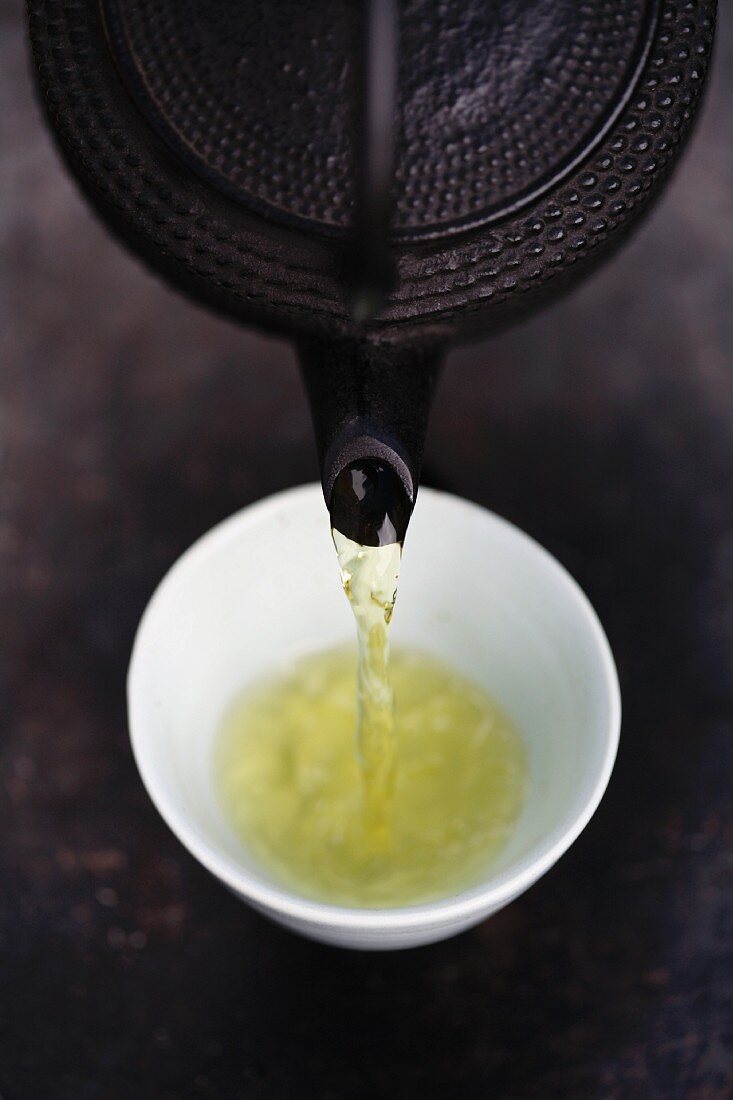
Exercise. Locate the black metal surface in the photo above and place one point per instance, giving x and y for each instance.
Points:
(369, 403)
(370, 269)
(496, 99)
(267, 271)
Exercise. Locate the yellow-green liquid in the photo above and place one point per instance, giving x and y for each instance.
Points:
(426, 826)
(369, 577)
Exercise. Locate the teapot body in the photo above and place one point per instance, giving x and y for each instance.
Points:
(220, 146)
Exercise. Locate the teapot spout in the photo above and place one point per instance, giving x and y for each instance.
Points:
(370, 404)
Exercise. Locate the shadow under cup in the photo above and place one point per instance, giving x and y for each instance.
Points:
(263, 587)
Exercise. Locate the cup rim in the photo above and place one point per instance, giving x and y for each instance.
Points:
(500, 888)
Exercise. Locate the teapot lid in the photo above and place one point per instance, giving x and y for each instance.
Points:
(222, 143)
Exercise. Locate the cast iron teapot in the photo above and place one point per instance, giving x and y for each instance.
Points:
(374, 178)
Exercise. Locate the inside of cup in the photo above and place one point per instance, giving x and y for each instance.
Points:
(263, 588)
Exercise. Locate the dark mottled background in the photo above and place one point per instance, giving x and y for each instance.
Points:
(131, 422)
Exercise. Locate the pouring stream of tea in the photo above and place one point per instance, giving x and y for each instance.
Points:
(369, 576)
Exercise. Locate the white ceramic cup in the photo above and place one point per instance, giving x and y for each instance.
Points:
(263, 588)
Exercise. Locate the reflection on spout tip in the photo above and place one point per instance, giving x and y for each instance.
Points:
(369, 503)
